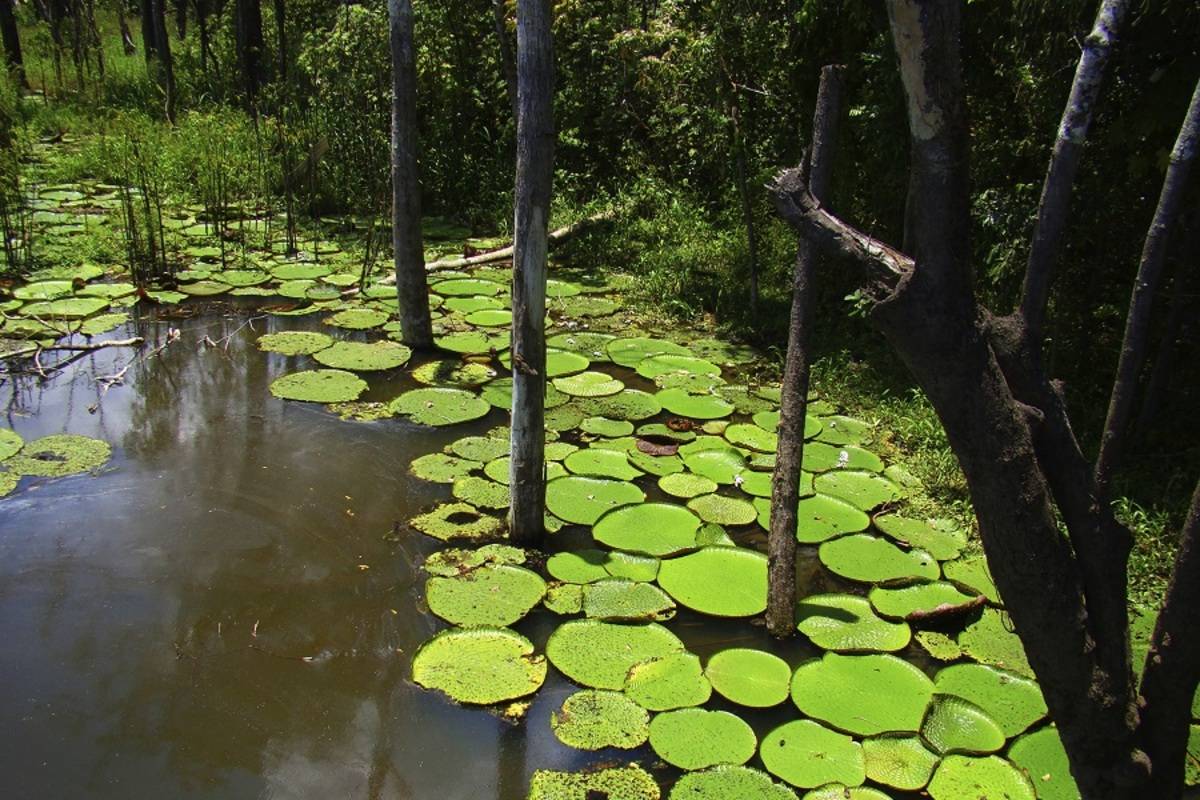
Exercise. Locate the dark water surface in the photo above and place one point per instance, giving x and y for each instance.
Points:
(223, 611)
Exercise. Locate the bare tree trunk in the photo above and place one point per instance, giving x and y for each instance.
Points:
(166, 65)
(202, 11)
(181, 18)
(12, 44)
(409, 251)
(249, 41)
(535, 171)
(281, 40)
(785, 482)
(507, 64)
(126, 36)
(149, 37)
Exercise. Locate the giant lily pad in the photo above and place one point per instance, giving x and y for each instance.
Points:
(902, 762)
(479, 666)
(583, 500)
(973, 574)
(722, 510)
(10, 443)
(686, 485)
(589, 384)
(628, 352)
(363, 357)
(490, 317)
(454, 561)
(845, 623)
(479, 448)
(722, 464)
(958, 777)
(294, 343)
(586, 343)
(617, 783)
(453, 373)
(667, 363)
(492, 595)
(807, 754)
(601, 463)
(729, 782)
(481, 492)
(69, 307)
(1012, 701)
(8, 481)
(294, 272)
(595, 718)
(863, 695)
(749, 677)
(619, 599)
(722, 581)
(451, 521)
(695, 406)
(668, 683)
(869, 559)
(752, 437)
(578, 566)
(471, 342)
(693, 738)
(921, 600)
(600, 654)
(940, 538)
(631, 404)
(864, 490)
(990, 640)
(838, 791)
(838, 429)
(442, 468)
(59, 455)
(955, 725)
(462, 287)
(818, 518)
(43, 290)
(1041, 756)
(319, 386)
(440, 406)
(657, 529)
(358, 319)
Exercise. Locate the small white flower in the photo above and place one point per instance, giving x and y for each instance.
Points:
(843, 459)
(738, 480)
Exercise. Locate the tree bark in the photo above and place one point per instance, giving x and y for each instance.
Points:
(149, 37)
(535, 170)
(249, 41)
(12, 43)
(126, 37)
(202, 11)
(181, 18)
(281, 39)
(408, 248)
(785, 481)
(507, 64)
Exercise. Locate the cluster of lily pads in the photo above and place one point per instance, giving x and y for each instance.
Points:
(54, 456)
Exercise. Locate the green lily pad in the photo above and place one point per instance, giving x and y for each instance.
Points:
(300, 271)
(66, 308)
(594, 719)
(319, 386)
(43, 290)
(723, 510)
(495, 596)
(838, 791)
(622, 600)
(752, 437)
(471, 304)
(472, 342)
(490, 317)
(600, 654)
(807, 754)
(668, 363)
(296, 290)
(479, 666)
(10, 443)
(863, 490)
(658, 466)
(563, 418)
(1191, 765)
(940, 538)
(920, 600)
(955, 725)
(461, 287)
(1041, 756)
(749, 677)
(846, 624)
(643, 569)
(364, 357)
(863, 695)
(631, 404)
(358, 319)
(498, 392)
(629, 352)
(242, 277)
(902, 762)
(695, 406)
(440, 406)
(722, 581)
(819, 518)
(451, 521)
(451, 562)
(686, 485)
(102, 324)
(453, 373)
(441, 468)
(167, 297)
(722, 465)
(695, 383)
(839, 430)
(587, 343)
(1012, 701)
(204, 288)
(479, 448)
(583, 500)
(869, 559)
(579, 566)
(481, 492)
(693, 738)
(610, 428)
(294, 343)
(498, 470)
(729, 782)
(564, 598)
(989, 640)
(992, 777)
(8, 481)
(616, 783)
(59, 455)
(601, 463)
(972, 573)
(589, 384)
(668, 683)
(656, 529)
(939, 645)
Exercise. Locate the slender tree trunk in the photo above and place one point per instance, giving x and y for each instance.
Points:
(249, 40)
(413, 291)
(507, 63)
(785, 482)
(281, 40)
(535, 170)
(12, 44)
(126, 37)
(149, 37)
(202, 11)
(181, 7)
(164, 64)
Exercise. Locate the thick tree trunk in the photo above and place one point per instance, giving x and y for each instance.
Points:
(535, 170)
(249, 41)
(507, 64)
(409, 250)
(785, 482)
(12, 44)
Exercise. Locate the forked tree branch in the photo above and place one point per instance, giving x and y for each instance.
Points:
(1055, 204)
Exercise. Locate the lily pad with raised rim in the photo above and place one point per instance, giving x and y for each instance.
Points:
(695, 406)
(564, 598)
(959, 777)
(495, 596)
(864, 490)
(465, 287)
(972, 573)
(721, 581)
(749, 677)
(364, 357)
(440, 406)
(668, 683)
(686, 485)
(751, 436)
(454, 561)
(721, 463)
(294, 343)
(870, 559)
(600, 654)
(901, 762)
(818, 518)
(579, 566)
(991, 640)
(69, 307)
(593, 719)
(807, 754)
(623, 600)
(631, 404)
(863, 695)
(628, 352)
(319, 386)
(589, 384)
(479, 448)
(955, 725)
(694, 738)
(601, 463)
(609, 428)
(472, 342)
(846, 623)
(453, 373)
(452, 521)
(479, 666)
(1012, 701)
(669, 363)
(57, 456)
(584, 500)
(481, 492)
(940, 538)
(921, 600)
(838, 791)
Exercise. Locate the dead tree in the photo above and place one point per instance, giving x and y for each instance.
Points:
(785, 482)
(409, 251)
(535, 169)
(1007, 422)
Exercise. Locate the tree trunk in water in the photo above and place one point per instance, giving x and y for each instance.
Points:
(785, 482)
(12, 44)
(535, 170)
(249, 41)
(281, 39)
(409, 250)
(507, 65)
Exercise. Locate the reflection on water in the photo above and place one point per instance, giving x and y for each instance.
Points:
(221, 613)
